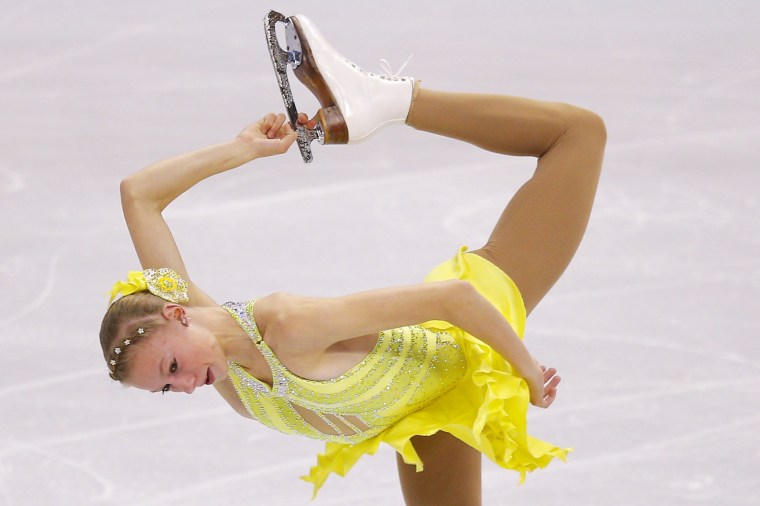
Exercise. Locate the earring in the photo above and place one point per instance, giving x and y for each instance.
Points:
(184, 322)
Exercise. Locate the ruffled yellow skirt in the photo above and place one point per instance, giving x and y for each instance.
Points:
(486, 409)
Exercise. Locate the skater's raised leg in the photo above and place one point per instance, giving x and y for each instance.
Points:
(541, 227)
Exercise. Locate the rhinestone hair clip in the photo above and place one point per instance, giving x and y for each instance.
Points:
(163, 282)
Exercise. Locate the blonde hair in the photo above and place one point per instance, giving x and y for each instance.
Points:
(128, 321)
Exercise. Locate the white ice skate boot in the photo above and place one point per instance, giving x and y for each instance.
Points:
(355, 103)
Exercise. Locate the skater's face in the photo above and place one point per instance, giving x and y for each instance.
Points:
(177, 358)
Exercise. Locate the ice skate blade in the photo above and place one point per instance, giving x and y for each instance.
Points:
(280, 61)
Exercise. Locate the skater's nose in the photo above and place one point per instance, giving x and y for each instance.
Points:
(184, 383)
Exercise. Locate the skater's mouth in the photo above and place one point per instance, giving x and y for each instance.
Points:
(209, 377)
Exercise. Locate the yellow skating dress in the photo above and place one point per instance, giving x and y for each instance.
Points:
(417, 380)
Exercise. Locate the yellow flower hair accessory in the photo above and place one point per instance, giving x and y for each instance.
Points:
(135, 283)
(167, 284)
(163, 282)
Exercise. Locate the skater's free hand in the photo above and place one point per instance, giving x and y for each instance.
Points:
(543, 386)
(271, 135)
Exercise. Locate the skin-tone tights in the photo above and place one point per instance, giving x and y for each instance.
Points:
(533, 241)
(541, 227)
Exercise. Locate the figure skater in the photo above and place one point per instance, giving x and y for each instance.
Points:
(436, 370)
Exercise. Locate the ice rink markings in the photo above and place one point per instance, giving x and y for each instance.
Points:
(10, 181)
(48, 382)
(712, 91)
(72, 54)
(577, 463)
(631, 289)
(661, 344)
(229, 479)
(4, 493)
(117, 430)
(18, 11)
(458, 223)
(655, 448)
(654, 393)
(705, 136)
(44, 294)
(301, 194)
(15, 447)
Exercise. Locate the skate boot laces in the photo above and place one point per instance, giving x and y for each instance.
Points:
(386, 68)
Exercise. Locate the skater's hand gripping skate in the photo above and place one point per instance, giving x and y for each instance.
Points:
(543, 386)
(271, 135)
(304, 120)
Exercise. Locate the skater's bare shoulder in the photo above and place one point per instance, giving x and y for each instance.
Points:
(314, 324)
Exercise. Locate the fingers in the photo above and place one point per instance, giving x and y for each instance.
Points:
(304, 120)
(288, 138)
(277, 126)
(551, 381)
(271, 124)
(548, 373)
(551, 394)
(267, 122)
(547, 400)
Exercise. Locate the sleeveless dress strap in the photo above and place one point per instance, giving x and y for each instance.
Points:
(239, 312)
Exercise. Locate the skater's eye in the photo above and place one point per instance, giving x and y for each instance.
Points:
(172, 370)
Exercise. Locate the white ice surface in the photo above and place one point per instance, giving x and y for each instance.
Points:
(655, 326)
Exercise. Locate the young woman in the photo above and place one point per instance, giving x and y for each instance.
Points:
(436, 370)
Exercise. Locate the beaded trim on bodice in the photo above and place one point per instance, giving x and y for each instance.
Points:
(407, 369)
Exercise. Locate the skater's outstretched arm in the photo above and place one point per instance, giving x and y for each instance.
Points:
(145, 194)
(309, 324)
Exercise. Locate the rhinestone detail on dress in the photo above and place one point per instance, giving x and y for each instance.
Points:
(407, 369)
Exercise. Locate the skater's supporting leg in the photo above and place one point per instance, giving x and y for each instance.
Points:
(451, 476)
(541, 227)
